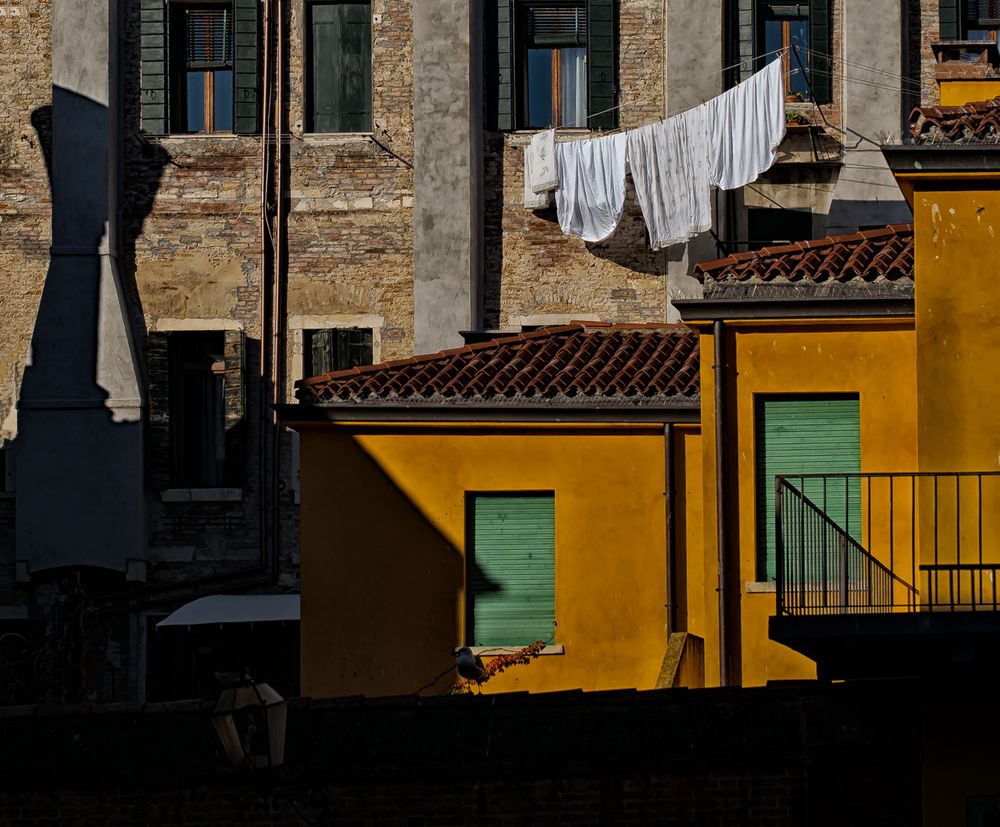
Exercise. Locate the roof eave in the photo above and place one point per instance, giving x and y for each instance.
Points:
(913, 163)
(826, 307)
(305, 413)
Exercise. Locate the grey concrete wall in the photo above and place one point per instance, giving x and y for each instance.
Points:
(693, 48)
(866, 192)
(447, 171)
(80, 471)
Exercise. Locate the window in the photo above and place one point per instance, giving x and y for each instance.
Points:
(785, 24)
(339, 81)
(202, 52)
(197, 409)
(806, 435)
(336, 349)
(768, 227)
(554, 64)
(969, 19)
(199, 66)
(510, 555)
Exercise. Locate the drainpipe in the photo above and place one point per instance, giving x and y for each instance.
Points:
(670, 493)
(721, 510)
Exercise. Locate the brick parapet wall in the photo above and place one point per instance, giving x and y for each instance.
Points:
(769, 757)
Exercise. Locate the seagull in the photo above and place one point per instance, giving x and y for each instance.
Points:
(470, 665)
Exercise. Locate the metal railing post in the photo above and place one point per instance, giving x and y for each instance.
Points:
(779, 550)
(844, 597)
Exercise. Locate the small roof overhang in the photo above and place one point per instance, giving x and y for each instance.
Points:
(235, 608)
(919, 166)
(695, 311)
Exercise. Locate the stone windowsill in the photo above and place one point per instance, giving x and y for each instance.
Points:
(756, 587)
(201, 495)
(489, 651)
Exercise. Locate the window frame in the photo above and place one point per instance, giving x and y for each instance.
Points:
(471, 497)
(178, 68)
(308, 368)
(523, 43)
(308, 78)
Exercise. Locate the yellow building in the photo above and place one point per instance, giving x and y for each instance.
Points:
(538, 487)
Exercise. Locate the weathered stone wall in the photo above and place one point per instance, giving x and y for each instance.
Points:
(25, 207)
(531, 268)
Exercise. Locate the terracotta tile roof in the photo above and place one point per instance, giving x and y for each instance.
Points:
(589, 363)
(872, 262)
(974, 123)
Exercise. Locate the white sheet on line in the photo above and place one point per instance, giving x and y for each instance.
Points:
(669, 163)
(591, 194)
(541, 153)
(745, 126)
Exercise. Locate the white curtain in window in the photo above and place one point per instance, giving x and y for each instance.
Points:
(573, 72)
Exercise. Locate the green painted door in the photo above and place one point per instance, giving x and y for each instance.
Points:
(511, 568)
(807, 435)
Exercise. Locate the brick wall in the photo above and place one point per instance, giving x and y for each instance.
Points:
(814, 755)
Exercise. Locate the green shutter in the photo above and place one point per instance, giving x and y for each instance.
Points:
(807, 436)
(158, 370)
(511, 582)
(234, 401)
(745, 33)
(820, 65)
(246, 75)
(950, 19)
(341, 67)
(501, 87)
(153, 61)
(601, 64)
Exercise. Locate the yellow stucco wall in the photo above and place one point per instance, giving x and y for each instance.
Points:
(383, 541)
(961, 92)
(873, 360)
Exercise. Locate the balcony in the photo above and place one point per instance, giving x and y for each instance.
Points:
(885, 575)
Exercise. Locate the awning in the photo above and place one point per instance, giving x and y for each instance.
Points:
(235, 608)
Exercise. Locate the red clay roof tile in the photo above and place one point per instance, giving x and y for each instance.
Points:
(883, 255)
(973, 123)
(586, 361)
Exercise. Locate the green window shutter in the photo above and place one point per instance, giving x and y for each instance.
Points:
(500, 92)
(158, 370)
(807, 436)
(950, 19)
(511, 559)
(153, 60)
(601, 64)
(820, 65)
(234, 401)
(341, 67)
(246, 75)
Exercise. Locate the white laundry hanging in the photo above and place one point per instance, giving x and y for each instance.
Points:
(540, 159)
(745, 126)
(669, 164)
(591, 194)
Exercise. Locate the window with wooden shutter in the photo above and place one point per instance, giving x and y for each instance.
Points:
(797, 34)
(339, 79)
(201, 52)
(552, 64)
(198, 409)
(153, 66)
(510, 553)
(807, 435)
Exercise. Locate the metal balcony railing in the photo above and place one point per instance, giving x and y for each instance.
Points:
(886, 543)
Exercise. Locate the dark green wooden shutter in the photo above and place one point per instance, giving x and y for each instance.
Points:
(821, 67)
(153, 44)
(341, 65)
(234, 401)
(601, 64)
(502, 83)
(246, 75)
(807, 436)
(950, 19)
(511, 582)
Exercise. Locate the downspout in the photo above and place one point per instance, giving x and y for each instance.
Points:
(669, 493)
(718, 332)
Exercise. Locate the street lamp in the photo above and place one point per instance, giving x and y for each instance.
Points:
(250, 719)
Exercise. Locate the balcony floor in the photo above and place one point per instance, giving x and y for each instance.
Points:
(894, 645)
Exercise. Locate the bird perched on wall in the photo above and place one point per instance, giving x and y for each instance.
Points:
(470, 665)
